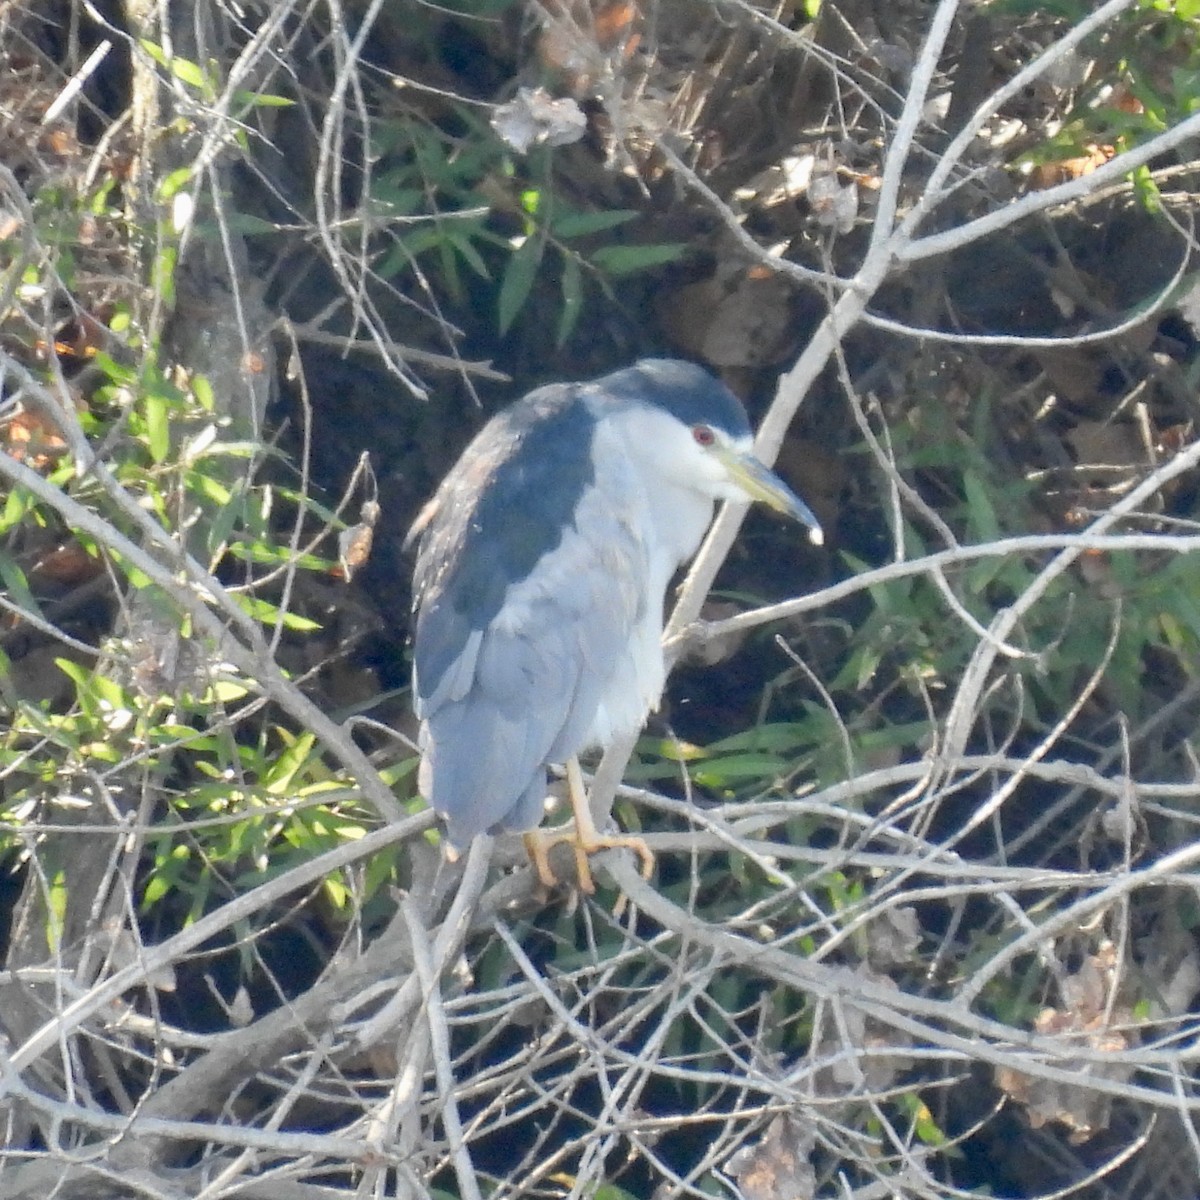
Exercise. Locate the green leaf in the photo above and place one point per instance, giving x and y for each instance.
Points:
(461, 241)
(1146, 189)
(226, 691)
(203, 391)
(189, 72)
(156, 889)
(164, 274)
(18, 503)
(17, 585)
(117, 372)
(79, 675)
(518, 282)
(627, 260)
(221, 526)
(980, 513)
(158, 425)
(737, 768)
(278, 556)
(450, 273)
(278, 779)
(610, 1191)
(183, 69)
(271, 614)
(170, 185)
(262, 100)
(580, 224)
(779, 737)
(572, 298)
(56, 910)
(250, 225)
(155, 51)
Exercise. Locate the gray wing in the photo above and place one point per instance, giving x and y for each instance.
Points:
(529, 582)
(503, 506)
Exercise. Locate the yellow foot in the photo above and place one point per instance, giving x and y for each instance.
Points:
(540, 842)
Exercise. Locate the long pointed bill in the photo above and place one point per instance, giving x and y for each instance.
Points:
(761, 483)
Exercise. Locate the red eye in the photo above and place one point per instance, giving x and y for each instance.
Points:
(704, 435)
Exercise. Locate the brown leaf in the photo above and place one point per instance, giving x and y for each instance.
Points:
(777, 1168)
(1087, 1011)
(354, 544)
(615, 22)
(1047, 175)
(32, 438)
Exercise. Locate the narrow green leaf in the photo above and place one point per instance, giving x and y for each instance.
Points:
(164, 273)
(203, 391)
(981, 514)
(571, 225)
(158, 425)
(518, 282)
(186, 71)
(278, 778)
(17, 586)
(18, 503)
(208, 488)
(462, 243)
(781, 737)
(56, 910)
(572, 298)
(627, 260)
(275, 556)
(170, 185)
(116, 372)
(78, 674)
(156, 889)
(262, 100)
(250, 225)
(736, 767)
(271, 614)
(450, 275)
(221, 526)
(155, 51)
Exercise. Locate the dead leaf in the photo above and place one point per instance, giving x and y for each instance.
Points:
(354, 544)
(582, 41)
(614, 23)
(1047, 175)
(834, 204)
(534, 118)
(33, 439)
(893, 938)
(777, 1168)
(1085, 1019)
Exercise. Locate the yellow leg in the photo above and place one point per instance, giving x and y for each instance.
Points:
(584, 838)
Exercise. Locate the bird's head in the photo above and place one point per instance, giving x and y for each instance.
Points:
(695, 433)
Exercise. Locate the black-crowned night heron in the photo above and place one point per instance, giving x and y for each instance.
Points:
(540, 580)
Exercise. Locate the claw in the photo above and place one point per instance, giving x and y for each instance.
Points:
(584, 839)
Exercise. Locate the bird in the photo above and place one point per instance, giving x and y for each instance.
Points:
(542, 565)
